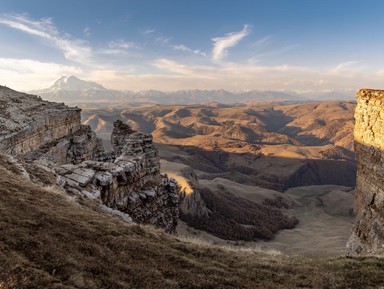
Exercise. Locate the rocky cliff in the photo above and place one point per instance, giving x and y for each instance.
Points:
(27, 122)
(368, 233)
(49, 137)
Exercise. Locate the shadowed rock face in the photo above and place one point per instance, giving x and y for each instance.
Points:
(27, 122)
(368, 233)
(130, 182)
(49, 136)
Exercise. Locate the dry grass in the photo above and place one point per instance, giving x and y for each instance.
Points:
(230, 248)
(234, 218)
(48, 242)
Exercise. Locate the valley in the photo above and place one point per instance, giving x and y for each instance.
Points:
(299, 154)
(191, 144)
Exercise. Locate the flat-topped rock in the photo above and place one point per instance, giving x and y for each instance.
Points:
(367, 237)
(28, 122)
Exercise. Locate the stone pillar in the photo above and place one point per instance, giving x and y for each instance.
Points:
(367, 236)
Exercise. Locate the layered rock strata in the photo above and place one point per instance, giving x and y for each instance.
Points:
(368, 232)
(131, 183)
(50, 137)
(27, 122)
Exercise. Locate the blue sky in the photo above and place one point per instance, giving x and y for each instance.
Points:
(175, 44)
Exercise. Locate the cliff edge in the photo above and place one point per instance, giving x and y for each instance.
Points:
(367, 236)
(46, 143)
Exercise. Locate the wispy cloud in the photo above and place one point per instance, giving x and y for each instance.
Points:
(347, 68)
(122, 44)
(182, 47)
(264, 41)
(221, 44)
(149, 31)
(87, 31)
(162, 40)
(73, 49)
(118, 47)
(190, 71)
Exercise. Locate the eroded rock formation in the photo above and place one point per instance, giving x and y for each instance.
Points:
(368, 232)
(49, 137)
(131, 182)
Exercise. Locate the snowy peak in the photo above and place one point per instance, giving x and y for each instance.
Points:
(72, 83)
(75, 91)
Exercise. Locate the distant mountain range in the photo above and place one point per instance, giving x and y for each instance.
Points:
(75, 91)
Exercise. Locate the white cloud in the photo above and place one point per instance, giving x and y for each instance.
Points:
(166, 73)
(221, 44)
(27, 74)
(73, 49)
(182, 47)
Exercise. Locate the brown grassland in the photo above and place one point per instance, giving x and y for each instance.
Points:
(48, 240)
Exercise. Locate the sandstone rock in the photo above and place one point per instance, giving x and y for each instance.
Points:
(368, 233)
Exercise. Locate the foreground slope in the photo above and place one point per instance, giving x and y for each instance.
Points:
(48, 240)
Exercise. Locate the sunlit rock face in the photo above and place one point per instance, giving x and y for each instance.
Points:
(50, 137)
(368, 232)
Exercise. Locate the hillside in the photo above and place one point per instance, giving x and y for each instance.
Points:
(273, 146)
(54, 241)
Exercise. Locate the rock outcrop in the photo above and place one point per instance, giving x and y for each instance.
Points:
(50, 137)
(368, 232)
(131, 183)
(27, 122)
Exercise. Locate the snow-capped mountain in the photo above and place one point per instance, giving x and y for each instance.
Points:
(75, 91)
(72, 90)
(72, 83)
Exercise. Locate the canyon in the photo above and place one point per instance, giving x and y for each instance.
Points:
(230, 156)
(79, 205)
(273, 161)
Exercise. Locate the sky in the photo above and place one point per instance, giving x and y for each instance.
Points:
(293, 45)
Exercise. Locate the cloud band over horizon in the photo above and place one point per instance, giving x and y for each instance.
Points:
(155, 60)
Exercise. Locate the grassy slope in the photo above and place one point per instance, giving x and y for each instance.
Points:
(48, 241)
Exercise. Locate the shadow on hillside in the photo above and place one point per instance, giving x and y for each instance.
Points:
(272, 172)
